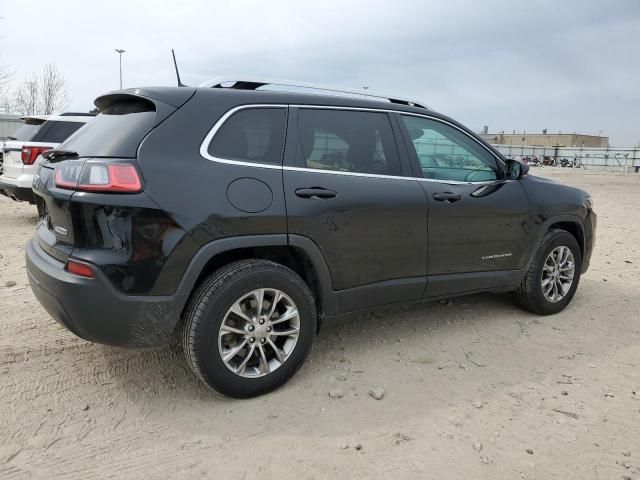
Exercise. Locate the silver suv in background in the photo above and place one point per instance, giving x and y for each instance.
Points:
(21, 153)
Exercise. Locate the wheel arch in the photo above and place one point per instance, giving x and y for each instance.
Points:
(573, 227)
(572, 224)
(298, 253)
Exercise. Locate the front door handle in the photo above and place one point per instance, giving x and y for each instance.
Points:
(448, 197)
(315, 192)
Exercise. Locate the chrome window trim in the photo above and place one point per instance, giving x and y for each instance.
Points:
(390, 177)
(204, 146)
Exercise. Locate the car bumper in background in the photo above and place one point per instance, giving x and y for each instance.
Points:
(92, 309)
(16, 190)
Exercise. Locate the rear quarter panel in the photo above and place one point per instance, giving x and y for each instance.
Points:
(192, 190)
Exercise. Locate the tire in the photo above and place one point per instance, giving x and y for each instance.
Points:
(204, 344)
(530, 294)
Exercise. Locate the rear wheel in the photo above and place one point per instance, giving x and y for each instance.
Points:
(249, 327)
(553, 276)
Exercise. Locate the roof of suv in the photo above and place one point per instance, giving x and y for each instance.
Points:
(176, 96)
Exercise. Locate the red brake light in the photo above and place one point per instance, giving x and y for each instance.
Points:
(62, 179)
(78, 268)
(98, 177)
(29, 154)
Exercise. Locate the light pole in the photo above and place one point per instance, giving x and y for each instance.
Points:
(120, 52)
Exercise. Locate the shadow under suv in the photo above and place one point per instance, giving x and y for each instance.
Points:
(240, 218)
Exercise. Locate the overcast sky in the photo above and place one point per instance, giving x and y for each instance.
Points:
(524, 65)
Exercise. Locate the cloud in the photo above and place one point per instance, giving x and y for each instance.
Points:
(568, 66)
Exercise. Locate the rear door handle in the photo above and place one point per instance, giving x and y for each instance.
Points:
(448, 197)
(315, 192)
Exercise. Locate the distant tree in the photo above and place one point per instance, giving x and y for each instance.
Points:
(5, 76)
(26, 99)
(53, 90)
(44, 94)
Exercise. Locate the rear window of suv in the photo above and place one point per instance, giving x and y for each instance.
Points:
(28, 129)
(55, 131)
(116, 131)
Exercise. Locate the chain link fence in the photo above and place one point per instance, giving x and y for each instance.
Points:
(623, 160)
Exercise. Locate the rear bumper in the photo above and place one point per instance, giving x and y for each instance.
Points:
(92, 309)
(15, 191)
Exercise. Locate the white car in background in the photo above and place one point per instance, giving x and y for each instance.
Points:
(21, 153)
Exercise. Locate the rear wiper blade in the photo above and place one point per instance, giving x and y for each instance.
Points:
(54, 154)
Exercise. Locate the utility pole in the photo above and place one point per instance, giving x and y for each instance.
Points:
(120, 52)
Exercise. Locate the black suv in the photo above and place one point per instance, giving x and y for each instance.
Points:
(240, 218)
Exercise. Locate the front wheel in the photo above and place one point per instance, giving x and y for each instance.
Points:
(249, 327)
(553, 276)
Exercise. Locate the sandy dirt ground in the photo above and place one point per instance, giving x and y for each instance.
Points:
(475, 388)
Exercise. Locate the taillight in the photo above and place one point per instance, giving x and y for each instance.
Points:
(29, 154)
(98, 177)
(78, 268)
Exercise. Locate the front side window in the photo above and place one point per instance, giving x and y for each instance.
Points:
(347, 141)
(445, 153)
(251, 135)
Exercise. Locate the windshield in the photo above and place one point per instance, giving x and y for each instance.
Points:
(26, 131)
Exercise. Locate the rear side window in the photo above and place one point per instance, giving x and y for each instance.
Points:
(251, 135)
(27, 130)
(116, 131)
(347, 141)
(54, 131)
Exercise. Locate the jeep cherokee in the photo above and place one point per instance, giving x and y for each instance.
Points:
(240, 217)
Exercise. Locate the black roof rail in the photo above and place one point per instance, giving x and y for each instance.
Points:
(255, 83)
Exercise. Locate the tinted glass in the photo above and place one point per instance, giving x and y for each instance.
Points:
(116, 132)
(54, 131)
(26, 131)
(251, 135)
(347, 141)
(445, 153)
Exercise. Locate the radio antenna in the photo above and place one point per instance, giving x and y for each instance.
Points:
(175, 64)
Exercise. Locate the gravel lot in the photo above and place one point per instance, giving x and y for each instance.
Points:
(473, 388)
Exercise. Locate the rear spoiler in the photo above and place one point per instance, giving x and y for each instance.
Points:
(176, 97)
(164, 101)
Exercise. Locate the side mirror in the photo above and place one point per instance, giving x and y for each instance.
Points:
(516, 169)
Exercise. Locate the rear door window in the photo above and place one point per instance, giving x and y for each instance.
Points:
(251, 135)
(347, 141)
(55, 131)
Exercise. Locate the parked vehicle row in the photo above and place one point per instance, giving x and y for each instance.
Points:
(20, 154)
(239, 219)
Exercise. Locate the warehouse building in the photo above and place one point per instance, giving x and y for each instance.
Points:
(545, 139)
